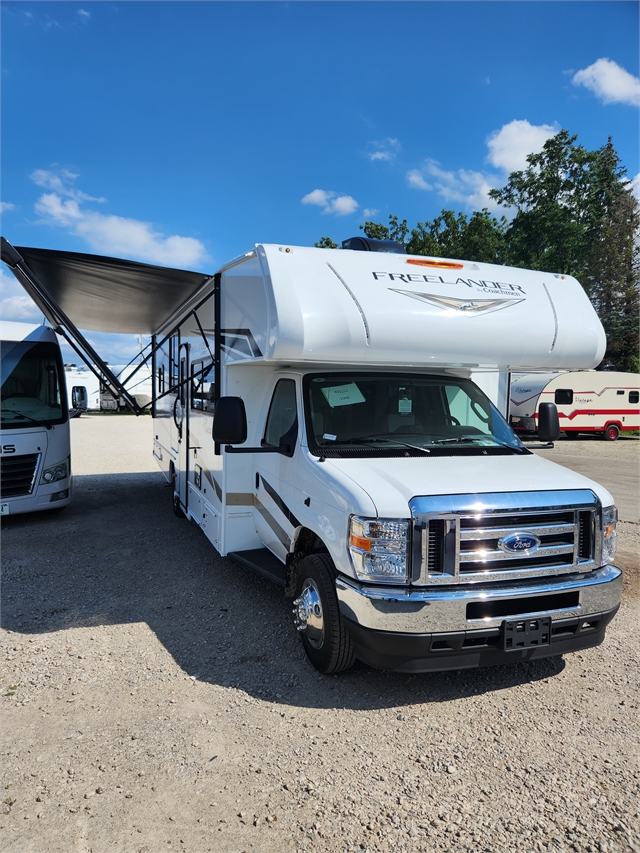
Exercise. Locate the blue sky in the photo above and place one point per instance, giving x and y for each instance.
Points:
(181, 133)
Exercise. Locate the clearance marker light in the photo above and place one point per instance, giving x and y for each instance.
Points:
(443, 265)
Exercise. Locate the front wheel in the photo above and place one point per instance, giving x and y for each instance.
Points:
(611, 433)
(317, 616)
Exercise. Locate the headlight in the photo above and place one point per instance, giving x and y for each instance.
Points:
(379, 549)
(55, 472)
(609, 536)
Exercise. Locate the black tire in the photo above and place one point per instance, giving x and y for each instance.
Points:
(324, 636)
(611, 433)
(572, 436)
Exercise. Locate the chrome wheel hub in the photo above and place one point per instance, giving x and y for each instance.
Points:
(307, 613)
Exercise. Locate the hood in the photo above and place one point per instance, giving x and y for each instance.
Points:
(391, 483)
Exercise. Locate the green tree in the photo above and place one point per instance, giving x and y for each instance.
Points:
(612, 273)
(325, 243)
(396, 230)
(575, 214)
(480, 238)
(449, 235)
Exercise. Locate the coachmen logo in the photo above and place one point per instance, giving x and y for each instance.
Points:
(463, 306)
(519, 543)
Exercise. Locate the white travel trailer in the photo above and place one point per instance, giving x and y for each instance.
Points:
(588, 401)
(378, 484)
(36, 453)
(83, 390)
(316, 413)
(83, 385)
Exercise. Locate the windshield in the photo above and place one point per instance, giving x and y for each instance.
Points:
(32, 389)
(384, 411)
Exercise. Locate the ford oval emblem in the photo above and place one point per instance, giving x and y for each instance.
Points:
(519, 543)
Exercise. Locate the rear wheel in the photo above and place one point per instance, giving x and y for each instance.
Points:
(611, 433)
(317, 616)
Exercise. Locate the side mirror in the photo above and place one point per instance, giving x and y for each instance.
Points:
(230, 421)
(548, 423)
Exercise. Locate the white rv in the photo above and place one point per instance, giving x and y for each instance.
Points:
(320, 416)
(36, 453)
(316, 414)
(83, 385)
(604, 403)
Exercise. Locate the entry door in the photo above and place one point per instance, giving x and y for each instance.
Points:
(274, 473)
(181, 419)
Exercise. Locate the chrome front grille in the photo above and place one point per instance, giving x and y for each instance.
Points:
(461, 538)
(18, 475)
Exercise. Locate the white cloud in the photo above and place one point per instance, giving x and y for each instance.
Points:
(20, 309)
(15, 305)
(132, 238)
(417, 181)
(463, 185)
(384, 150)
(84, 15)
(370, 211)
(319, 197)
(55, 211)
(108, 234)
(509, 146)
(343, 205)
(508, 150)
(5, 206)
(61, 182)
(331, 202)
(609, 82)
(635, 186)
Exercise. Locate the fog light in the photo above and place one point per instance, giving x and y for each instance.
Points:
(59, 496)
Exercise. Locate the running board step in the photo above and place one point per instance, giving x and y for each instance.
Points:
(261, 560)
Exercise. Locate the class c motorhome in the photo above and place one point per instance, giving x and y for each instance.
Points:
(596, 402)
(36, 449)
(317, 414)
(335, 420)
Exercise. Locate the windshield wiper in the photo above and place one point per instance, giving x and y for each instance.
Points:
(372, 439)
(460, 438)
(19, 415)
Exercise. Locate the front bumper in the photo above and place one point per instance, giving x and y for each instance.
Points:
(460, 626)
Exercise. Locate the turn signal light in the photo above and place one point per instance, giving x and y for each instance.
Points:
(360, 542)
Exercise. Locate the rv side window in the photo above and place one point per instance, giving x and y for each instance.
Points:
(202, 386)
(282, 414)
(564, 397)
(634, 396)
(174, 361)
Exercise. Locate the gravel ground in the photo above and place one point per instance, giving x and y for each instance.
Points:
(154, 697)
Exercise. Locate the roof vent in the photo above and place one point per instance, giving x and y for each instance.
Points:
(368, 244)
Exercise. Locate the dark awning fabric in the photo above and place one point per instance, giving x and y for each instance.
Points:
(110, 294)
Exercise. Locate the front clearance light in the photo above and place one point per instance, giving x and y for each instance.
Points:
(609, 535)
(55, 473)
(379, 549)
